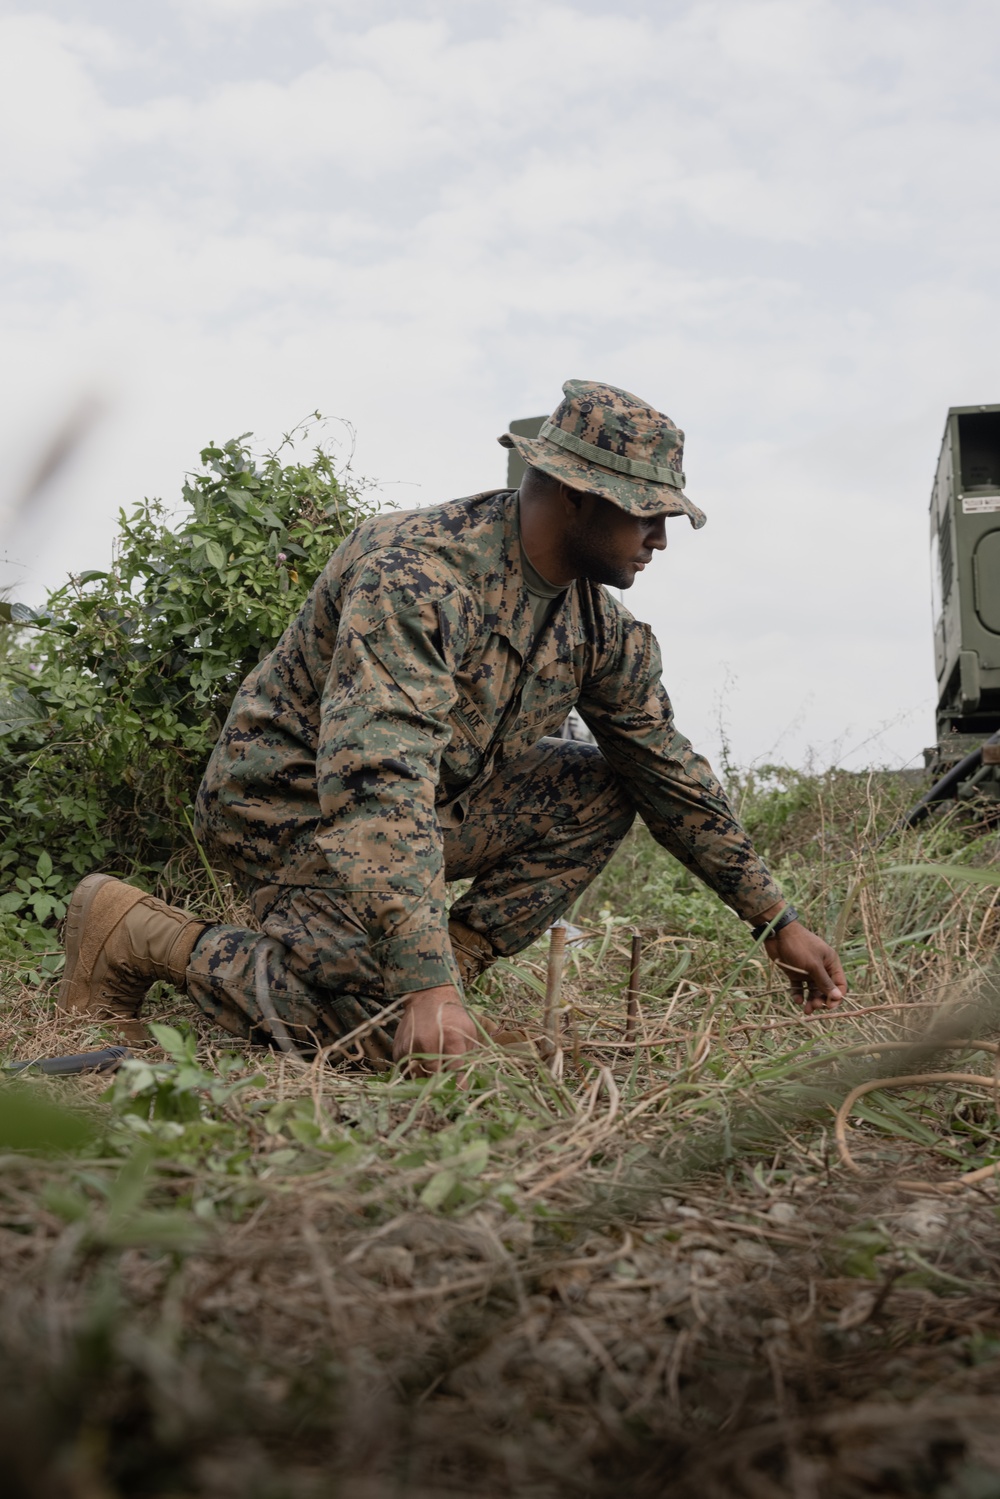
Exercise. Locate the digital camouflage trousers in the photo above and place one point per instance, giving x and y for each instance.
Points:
(533, 838)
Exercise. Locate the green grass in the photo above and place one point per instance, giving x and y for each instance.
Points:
(635, 1268)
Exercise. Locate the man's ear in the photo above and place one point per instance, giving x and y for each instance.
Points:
(574, 496)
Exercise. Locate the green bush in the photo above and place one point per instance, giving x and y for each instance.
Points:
(113, 694)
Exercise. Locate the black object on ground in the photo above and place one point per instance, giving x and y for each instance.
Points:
(105, 1060)
(948, 785)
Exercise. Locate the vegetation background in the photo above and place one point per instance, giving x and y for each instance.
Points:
(654, 1259)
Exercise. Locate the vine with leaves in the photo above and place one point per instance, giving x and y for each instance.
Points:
(114, 692)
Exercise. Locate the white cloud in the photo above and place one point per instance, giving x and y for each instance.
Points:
(50, 106)
(774, 217)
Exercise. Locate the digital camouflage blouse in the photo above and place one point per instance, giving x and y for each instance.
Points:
(408, 677)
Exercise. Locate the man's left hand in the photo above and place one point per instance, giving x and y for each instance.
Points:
(811, 965)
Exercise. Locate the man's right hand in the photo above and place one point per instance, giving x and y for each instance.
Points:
(435, 1030)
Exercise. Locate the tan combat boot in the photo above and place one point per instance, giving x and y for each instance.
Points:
(119, 941)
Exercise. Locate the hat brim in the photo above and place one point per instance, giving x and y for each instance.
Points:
(635, 496)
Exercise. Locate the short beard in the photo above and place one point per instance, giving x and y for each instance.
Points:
(586, 550)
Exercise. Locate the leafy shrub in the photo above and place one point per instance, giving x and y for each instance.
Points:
(113, 694)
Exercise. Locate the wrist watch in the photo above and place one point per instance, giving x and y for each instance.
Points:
(771, 928)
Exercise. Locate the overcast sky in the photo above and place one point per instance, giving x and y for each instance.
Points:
(776, 220)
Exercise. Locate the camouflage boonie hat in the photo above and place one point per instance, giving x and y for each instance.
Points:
(604, 441)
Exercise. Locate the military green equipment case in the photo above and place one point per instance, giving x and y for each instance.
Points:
(965, 579)
(525, 426)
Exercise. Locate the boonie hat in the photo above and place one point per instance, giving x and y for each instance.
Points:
(602, 440)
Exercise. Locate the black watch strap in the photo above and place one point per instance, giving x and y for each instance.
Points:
(788, 915)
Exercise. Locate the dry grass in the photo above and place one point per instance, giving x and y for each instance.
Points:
(634, 1268)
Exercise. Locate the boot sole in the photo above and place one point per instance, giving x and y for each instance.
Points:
(74, 989)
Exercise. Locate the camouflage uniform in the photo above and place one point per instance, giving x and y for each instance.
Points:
(395, 738)
(532, 838)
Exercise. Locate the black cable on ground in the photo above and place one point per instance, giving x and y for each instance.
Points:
(85, 1061)
(947, 786)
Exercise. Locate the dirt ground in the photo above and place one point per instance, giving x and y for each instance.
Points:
(331, 1285)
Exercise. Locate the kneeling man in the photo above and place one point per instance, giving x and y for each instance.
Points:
(398, 737)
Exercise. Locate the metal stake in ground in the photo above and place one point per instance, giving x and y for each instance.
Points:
(632, 1008)
(553, 980)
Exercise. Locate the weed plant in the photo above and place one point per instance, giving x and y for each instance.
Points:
(113, 692)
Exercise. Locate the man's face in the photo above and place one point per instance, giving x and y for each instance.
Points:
(607, 545)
